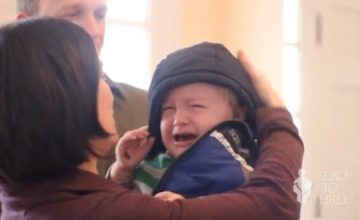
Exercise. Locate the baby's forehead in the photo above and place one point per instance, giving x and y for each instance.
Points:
(196, 90)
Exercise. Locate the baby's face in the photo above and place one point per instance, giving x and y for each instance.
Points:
(189, 111)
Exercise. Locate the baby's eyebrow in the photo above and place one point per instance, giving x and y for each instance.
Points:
(166, 103)
(196, 99)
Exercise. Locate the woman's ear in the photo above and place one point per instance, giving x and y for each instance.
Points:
(239, 113)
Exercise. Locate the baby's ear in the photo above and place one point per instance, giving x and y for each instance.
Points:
(239, 113)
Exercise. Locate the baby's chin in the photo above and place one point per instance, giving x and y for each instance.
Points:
(180, 150)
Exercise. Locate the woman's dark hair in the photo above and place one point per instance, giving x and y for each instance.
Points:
(49, 74)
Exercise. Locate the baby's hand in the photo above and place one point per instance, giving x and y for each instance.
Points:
(130, 151)
(133, 147)
(169, 196)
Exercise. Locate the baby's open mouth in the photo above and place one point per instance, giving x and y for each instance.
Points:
(184, 137)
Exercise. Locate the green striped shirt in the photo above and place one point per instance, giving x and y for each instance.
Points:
(149, 172)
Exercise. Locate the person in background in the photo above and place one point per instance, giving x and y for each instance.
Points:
(55, 122)
(130, 104)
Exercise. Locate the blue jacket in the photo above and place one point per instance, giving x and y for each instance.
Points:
(218, 162)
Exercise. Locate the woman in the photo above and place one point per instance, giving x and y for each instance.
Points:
(56, 121)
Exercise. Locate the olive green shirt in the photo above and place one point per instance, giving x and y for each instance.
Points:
(130, 112)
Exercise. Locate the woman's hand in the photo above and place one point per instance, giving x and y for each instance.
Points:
(168, 196)
(264, 90)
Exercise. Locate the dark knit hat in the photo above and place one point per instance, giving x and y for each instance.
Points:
(204, 62)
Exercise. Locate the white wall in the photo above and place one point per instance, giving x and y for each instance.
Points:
(204, 20)
(330, 108)
(256, 27)
(165, 26)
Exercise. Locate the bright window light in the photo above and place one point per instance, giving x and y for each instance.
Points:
(126, 55)
(291, 59)
(126, 51)
(291, 78)
(130, 10)
(290, 21)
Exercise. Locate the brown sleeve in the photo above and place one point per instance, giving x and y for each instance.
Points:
(267, 195)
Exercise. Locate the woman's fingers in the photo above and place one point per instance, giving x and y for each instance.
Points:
(267, 95)
(168, 196)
